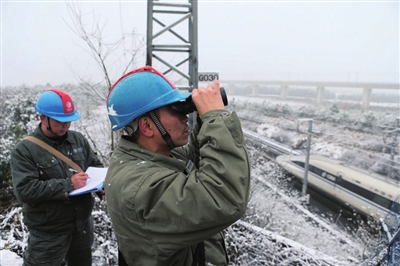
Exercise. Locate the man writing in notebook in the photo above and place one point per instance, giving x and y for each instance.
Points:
(60, 226)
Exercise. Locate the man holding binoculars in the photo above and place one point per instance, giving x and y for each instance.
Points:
(170, 200)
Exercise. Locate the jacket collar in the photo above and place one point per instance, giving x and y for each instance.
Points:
(137, 152)
(39, 134)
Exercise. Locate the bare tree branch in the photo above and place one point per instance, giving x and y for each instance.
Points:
(112, 57)
(100, 50)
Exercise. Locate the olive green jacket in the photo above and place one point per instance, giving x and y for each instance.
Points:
(41, 182)
(161, 208)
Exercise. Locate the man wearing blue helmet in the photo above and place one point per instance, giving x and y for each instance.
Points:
(170, 200)
(60, 227)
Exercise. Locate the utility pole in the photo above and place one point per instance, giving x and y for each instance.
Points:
(174, 46)
(306, 163)
(393, 148)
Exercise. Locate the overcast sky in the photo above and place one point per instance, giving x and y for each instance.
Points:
(260, 40)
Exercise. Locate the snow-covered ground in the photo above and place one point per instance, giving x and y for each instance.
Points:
(340, 130)
(277, 229)
(9, 258)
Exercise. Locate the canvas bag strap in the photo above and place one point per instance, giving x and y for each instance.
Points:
(55, 152)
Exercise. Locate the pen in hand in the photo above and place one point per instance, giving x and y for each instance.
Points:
(78, 179)
(75, 172)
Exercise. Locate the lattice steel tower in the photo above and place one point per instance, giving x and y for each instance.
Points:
(172, 40)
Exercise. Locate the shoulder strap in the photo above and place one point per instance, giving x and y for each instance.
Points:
(55, 152)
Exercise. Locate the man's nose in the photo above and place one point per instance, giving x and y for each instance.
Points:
(185, 118)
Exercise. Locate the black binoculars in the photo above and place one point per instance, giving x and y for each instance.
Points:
(188, 105)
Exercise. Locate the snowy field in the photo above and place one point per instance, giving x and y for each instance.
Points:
(277, 229)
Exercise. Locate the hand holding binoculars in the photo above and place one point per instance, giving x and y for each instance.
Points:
(188, 105)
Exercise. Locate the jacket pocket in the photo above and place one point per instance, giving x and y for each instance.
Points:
(58, 212)
(79, 159)
(34, 214)
(49, 168)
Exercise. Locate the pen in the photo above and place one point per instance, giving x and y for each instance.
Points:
(73, 170)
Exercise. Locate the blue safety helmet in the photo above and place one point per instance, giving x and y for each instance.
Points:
(57, 105)
(138, 92)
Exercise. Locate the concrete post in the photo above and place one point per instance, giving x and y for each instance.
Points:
(305, 181)
(284, 92)
(230, 90)
(366, 98)
(392, 150)
(254, 90)
(320, 94)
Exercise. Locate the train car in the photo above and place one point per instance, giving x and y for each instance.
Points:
(370, 194)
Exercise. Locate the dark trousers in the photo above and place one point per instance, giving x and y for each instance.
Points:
(52, 250)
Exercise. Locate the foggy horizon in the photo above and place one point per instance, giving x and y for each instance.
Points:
(253, 40)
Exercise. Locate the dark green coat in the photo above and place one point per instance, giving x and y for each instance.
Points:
(160, 210)
(41, 182)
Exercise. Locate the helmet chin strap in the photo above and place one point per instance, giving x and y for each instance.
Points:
(162, 130)
(48, 126)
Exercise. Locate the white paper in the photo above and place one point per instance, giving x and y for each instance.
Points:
(94, 183)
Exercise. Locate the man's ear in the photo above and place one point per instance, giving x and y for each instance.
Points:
(43, 119)
(146, 126)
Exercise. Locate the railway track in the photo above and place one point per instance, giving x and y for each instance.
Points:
(273, 148)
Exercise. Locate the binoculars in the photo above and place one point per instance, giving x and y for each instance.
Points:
(188, 105)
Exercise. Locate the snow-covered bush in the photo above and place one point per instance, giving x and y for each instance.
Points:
(17, 118)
